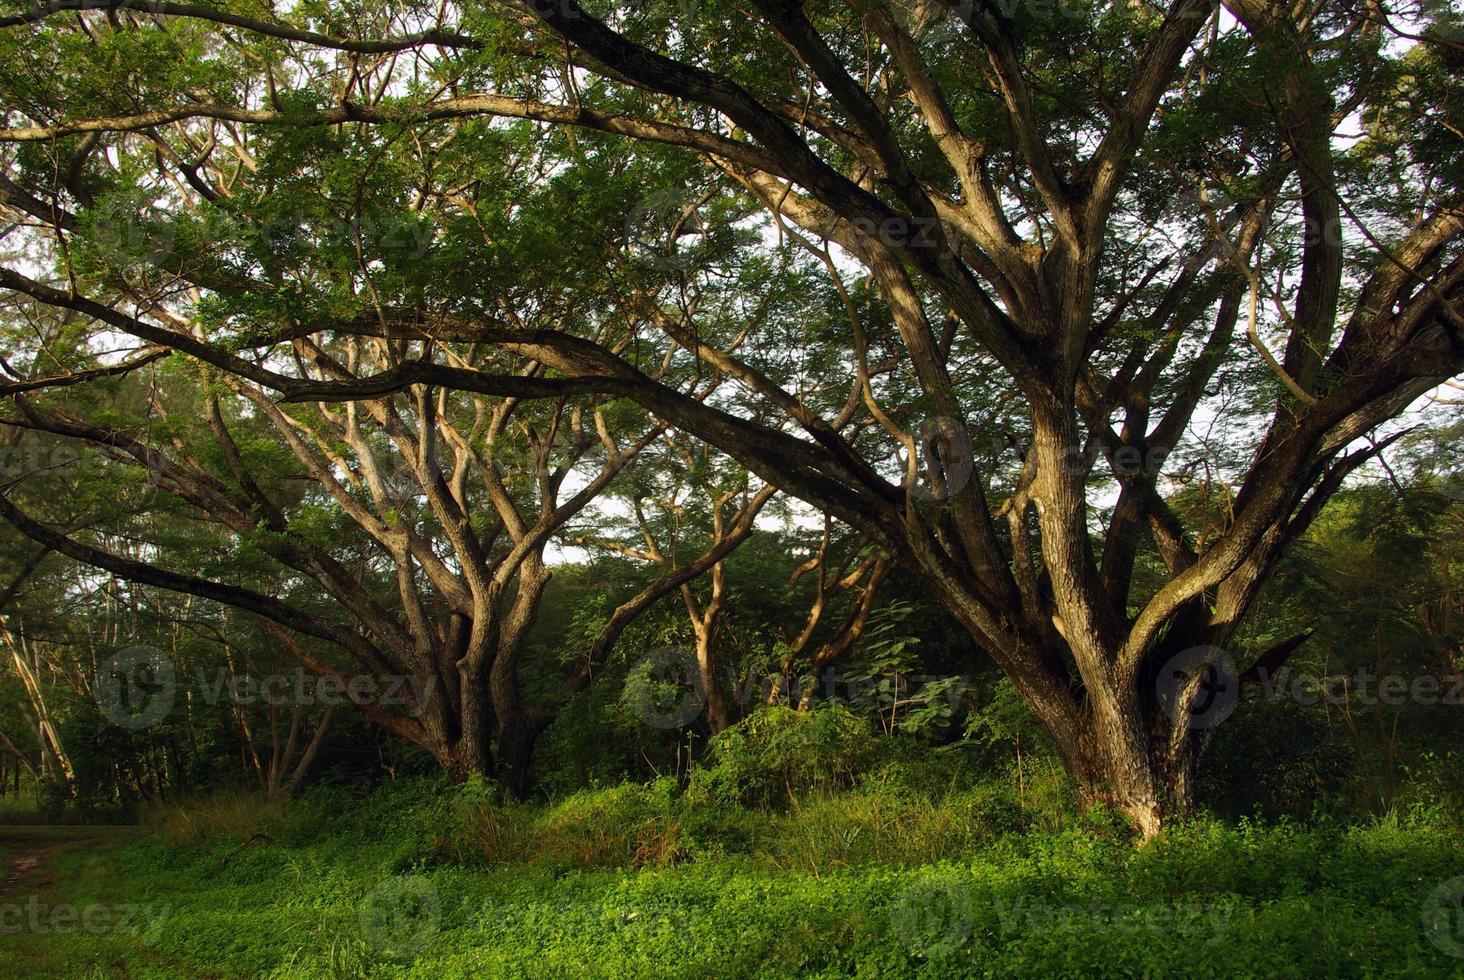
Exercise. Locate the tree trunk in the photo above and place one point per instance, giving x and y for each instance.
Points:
(471, 754)
(516, 743)
(1112, 771)
(718, 712)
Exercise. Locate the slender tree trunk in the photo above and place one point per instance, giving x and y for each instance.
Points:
(518, 727)
(719, 713)
(516, 751)
(291, 771)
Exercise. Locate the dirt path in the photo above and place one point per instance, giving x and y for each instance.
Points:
(24, 851)
(24, 856)
(25, 863)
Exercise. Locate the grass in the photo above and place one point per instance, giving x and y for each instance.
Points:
(422, 880)
(28, 808)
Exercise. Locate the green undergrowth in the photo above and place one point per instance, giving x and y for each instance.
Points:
(663, 880)
(800, 845)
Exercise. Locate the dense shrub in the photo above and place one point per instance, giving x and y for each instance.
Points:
(775, 754)
(627, 826)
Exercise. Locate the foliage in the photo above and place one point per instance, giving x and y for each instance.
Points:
(777, 753)
(1071, 899)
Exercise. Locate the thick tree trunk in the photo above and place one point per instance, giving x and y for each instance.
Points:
(1136, 748)
(472, 753)
(1111, 771)
(468, 758)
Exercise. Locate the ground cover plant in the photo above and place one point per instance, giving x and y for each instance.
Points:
(753, 487)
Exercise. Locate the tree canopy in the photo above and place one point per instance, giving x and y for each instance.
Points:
(1077, 313)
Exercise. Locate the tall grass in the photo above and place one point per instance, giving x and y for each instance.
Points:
(226, 813)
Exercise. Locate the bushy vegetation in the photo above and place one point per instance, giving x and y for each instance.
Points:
(423, 878)
(800, 843)
(672, 488)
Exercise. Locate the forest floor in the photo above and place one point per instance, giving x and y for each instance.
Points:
(368, 888)
(23, 853)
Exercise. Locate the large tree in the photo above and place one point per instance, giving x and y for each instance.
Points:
(410, 530)
(1075, 224)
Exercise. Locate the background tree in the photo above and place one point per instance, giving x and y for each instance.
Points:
(1063, 221)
